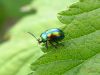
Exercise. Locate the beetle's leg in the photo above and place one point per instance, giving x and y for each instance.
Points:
(52, 44)
(56, 42)
(46, 44)
(59, 43)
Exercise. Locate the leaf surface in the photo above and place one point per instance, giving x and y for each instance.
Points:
(80, 53)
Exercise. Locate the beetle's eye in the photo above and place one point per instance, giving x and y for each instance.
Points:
(39, 41)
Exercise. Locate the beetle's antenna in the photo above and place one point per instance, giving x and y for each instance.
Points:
(33, 36)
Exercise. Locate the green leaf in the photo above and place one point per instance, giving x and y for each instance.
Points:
(21, 49)
(80, 54)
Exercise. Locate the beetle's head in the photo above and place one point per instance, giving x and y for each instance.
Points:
(39, 41)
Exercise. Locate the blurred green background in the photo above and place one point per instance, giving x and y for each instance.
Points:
(12, 11)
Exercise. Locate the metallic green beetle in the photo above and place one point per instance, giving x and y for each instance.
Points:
(51, 35)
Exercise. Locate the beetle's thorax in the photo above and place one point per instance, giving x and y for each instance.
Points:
(43, 37)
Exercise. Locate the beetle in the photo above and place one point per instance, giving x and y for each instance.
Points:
(51, 35)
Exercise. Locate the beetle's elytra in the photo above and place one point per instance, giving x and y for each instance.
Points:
(51, 35)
